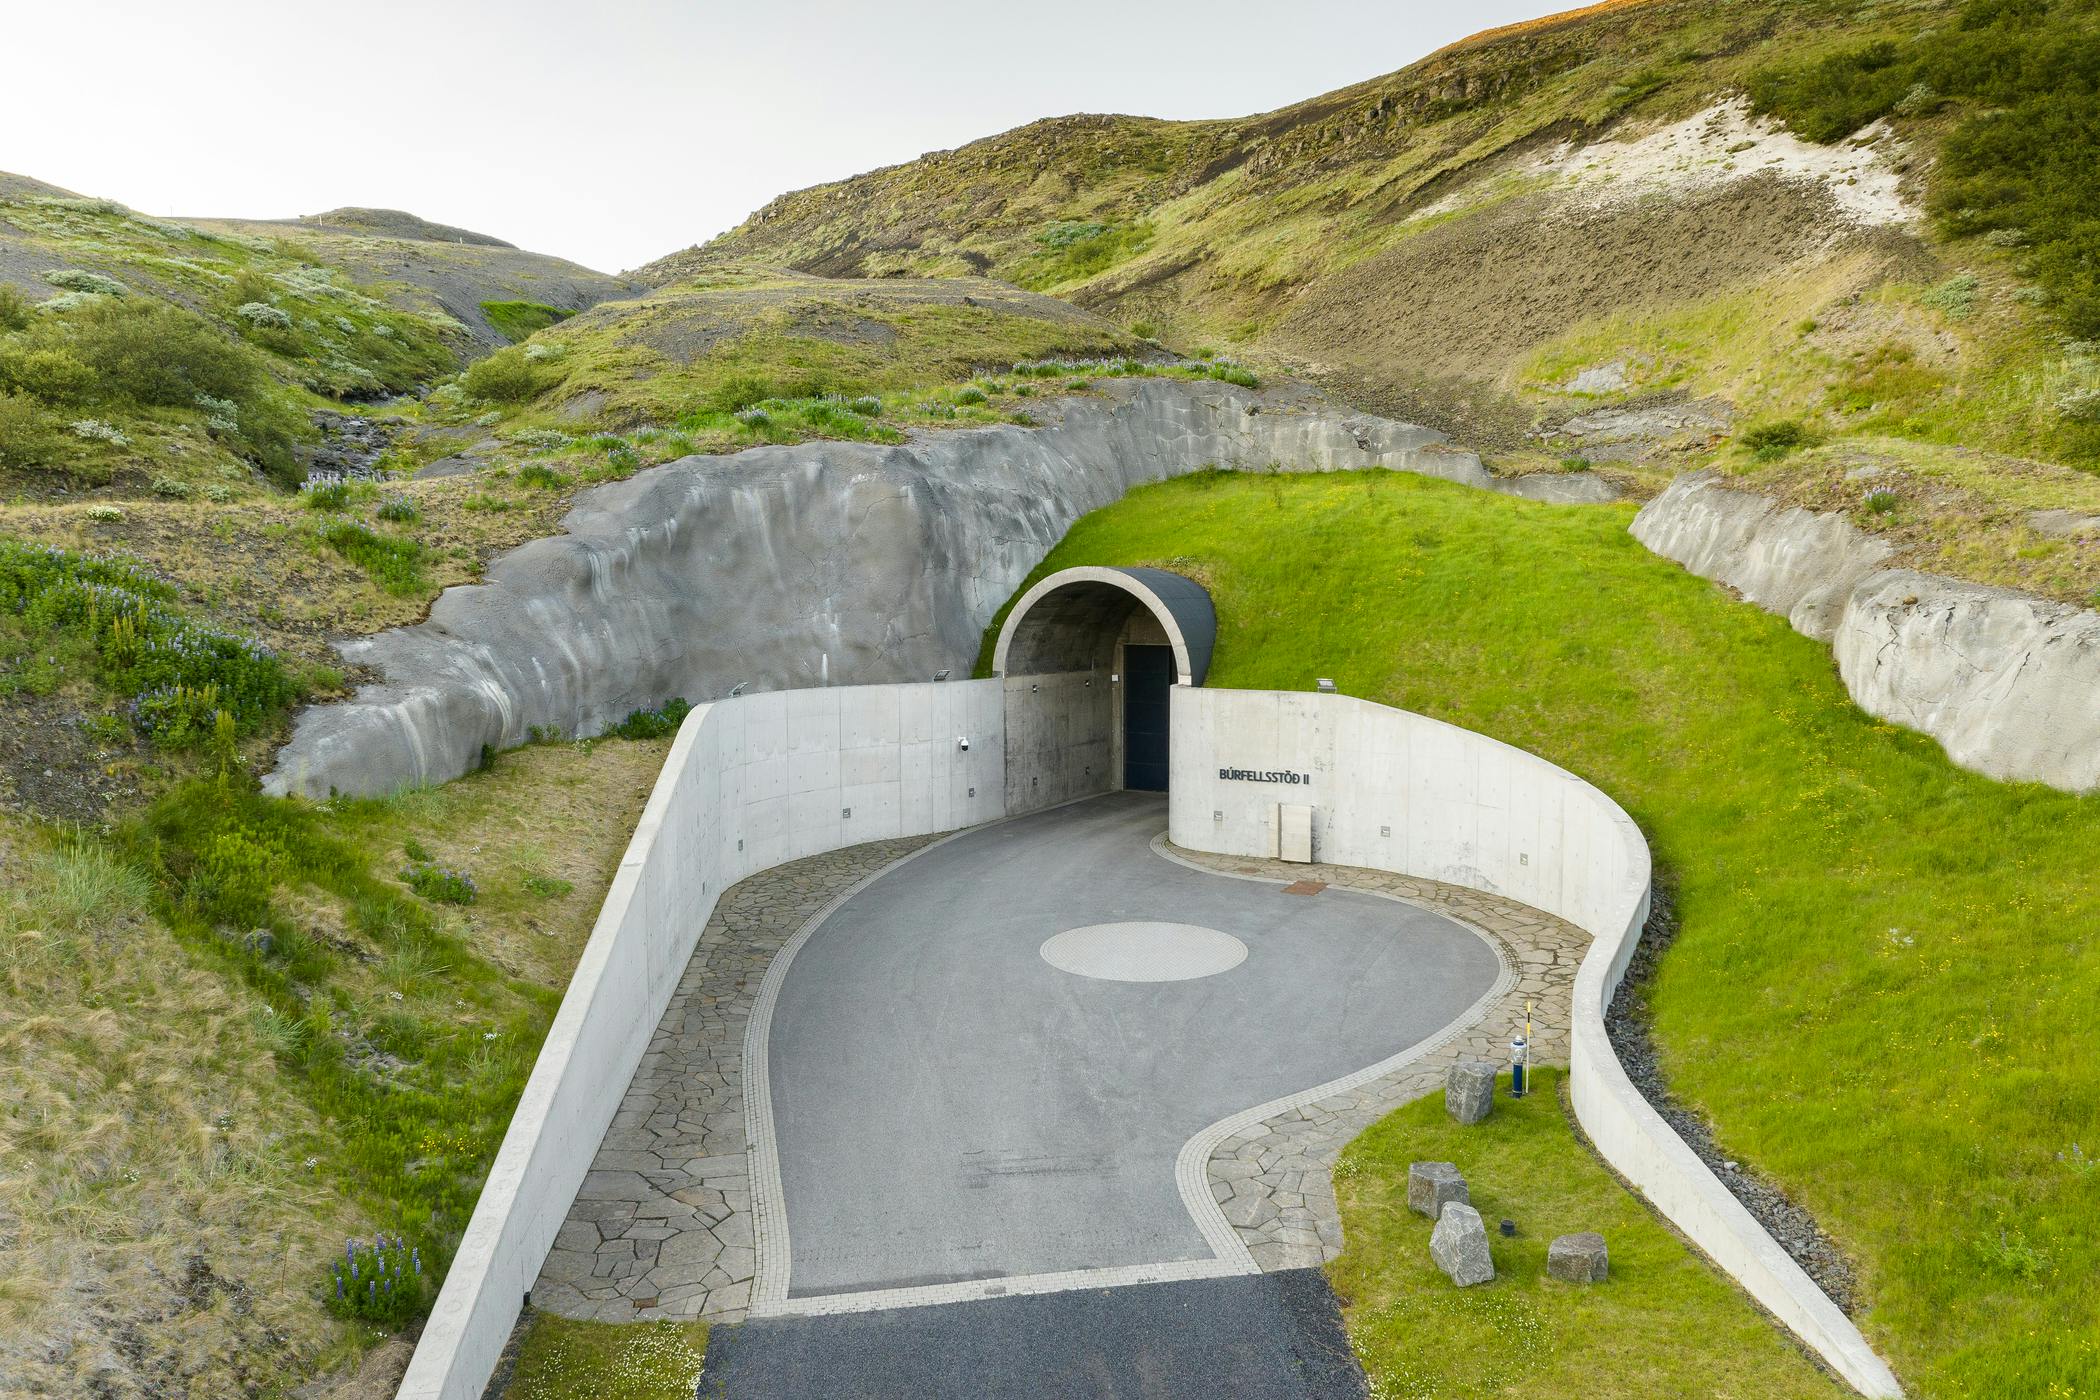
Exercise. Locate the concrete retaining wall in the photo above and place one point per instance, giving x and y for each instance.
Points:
(749, 783)
(821, 563)
(1398, 791)
(2004, 680)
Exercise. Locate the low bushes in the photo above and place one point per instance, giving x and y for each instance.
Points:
(2019, 163)
(659, 723)
(392, 561)
(125, 624)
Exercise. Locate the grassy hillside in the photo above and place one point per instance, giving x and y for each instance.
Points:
(1879, 990)
(243, 1031)
(1586, 240)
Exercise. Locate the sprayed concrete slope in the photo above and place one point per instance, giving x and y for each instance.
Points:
(825, 562)
(2004, 680)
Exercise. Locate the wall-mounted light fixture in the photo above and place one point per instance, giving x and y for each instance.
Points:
(1325, 686)
(941, 674)
(737, 689)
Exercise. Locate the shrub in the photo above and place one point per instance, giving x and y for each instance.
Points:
(14, 307)
(1234, 374)
(178, 670)
(739, 392)
(1768, 442)
(220, 415)
(755, 418)
(95, 430)
(1954, 298)
(440, 884)
(106, 514)
(264, 316)
(54, 375)
(867, 406)
(653, 724)
(155, 354)
(541, 439)
(969, 396)
(173, 488)
(509, 377)
(1881, 501)
(1575, 464)
(95, 284)
(538, 474)
(1144, 330)
(29, 436)
(381, 1282)
(398, 509)
(2022, 156)
(415, 850)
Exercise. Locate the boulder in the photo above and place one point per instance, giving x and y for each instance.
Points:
(1431, 1184)
(1579, 1258)
(1469, 1090)
(1459, 1245)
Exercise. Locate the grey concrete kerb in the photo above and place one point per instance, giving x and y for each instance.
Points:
(1273, 1176)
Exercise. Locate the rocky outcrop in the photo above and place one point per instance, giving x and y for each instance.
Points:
(1787, 560)
(821, 563)
(2009, 683)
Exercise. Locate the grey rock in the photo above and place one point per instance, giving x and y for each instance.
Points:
(1579, 1258)
(1459, 1245)
(1598, 379)
(1433, 1185)
(2005, 680)
(1794, 562)
(1469, 1090)
(787, 565)
(1623, 434)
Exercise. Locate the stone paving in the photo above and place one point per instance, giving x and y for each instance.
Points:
(661, 1227)
(1274, 1180)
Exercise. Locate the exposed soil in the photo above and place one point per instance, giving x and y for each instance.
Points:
(1626, 1022)
(1472, 295)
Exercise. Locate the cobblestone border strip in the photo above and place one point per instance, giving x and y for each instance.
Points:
(1268, 1172)
(663, 1225)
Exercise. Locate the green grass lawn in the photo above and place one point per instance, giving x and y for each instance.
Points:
(564, 1360)
(1664, 1323)
(1888, 970)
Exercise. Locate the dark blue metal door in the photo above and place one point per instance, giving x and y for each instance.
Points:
(1148, 674)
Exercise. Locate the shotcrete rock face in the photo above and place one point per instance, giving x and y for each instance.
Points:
(825, 562)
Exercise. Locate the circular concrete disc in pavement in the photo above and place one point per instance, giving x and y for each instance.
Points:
(1144, 952)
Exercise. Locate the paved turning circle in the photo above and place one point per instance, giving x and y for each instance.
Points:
(1144, 952)
(954, 1117)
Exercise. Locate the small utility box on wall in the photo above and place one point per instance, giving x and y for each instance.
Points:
(1294, 832)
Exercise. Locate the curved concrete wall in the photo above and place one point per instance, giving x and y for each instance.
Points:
(2004, 680)
(1398, 791)
(822, 563)
(749, 783)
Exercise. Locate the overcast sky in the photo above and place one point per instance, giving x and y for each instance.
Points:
(614, 132)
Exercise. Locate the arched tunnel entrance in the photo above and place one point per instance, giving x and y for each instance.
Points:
(1088, 656)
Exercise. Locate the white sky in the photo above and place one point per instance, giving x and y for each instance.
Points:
(616, 132)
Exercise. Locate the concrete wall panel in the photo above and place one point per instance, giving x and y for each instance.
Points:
(749, 783)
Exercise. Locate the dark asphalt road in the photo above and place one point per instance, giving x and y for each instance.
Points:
(1251, 1337)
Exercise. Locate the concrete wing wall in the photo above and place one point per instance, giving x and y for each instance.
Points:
(1398, 791)
(749, 783)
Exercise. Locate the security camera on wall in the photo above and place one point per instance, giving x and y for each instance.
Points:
(963, 743)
